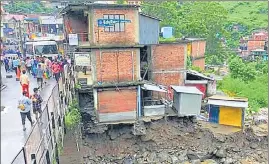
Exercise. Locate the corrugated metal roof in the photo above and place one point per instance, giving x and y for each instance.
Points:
(219, 97)
(185, 89)
(152, 87)
(143, 14)
(236, 104)
(50, 20)
(195, 73)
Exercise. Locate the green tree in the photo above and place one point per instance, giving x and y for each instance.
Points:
(194, 19)
(27, 7)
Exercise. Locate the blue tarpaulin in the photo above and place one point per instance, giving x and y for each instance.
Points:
(7, 30)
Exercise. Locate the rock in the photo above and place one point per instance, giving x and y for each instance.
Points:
(163, 156)
(112, 134)
(209, 161)
(221, 153)
(196, 161)
(192, 155)
(253, 146)
(228, 161)
(147, 137)
(174, 159)
(152, 157)
(183, 156)
(236, 149)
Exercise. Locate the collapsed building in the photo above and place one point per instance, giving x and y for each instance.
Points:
(123, 71)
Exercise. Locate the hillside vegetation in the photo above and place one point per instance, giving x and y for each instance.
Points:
(253, 15)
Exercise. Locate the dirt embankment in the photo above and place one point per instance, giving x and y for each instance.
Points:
(175, 140)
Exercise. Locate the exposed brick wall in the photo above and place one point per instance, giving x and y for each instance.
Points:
(127, 37)
(168, 57)
(199, 63)
(254, 44)
(167, 61)
(198, 53)
(114, 101)
(117, 66)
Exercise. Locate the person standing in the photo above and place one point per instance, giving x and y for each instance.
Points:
(39, 76)
(56, 70)
(36, 101)
(28, 65)
(25, 109)
(6, 61)
(23, 64)
(15, 63)
(24, 80)
(10, 64)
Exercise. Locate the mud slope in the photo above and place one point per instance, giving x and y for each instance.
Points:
(173, 141)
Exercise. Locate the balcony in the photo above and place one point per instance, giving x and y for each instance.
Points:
(83, 39)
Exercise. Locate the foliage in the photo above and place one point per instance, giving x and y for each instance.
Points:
(256, 91)
(121, 1)
(194, 19)
(77, 86)
(247, 79)
(73, 117)
(241, 70)
(27, 7)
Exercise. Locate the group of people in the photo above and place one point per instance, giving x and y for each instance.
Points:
(41, 68)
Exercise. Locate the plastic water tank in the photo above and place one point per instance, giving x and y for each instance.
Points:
(167, 32)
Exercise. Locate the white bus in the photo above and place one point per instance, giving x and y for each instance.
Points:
(42, 48)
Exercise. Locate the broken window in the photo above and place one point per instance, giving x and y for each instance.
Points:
(115, 27)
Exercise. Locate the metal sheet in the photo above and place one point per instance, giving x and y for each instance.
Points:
(184, 89)
(228, 103)
(150, 87)
(230, 116)
(214, 114)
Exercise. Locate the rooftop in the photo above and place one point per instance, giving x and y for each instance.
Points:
(86, 6)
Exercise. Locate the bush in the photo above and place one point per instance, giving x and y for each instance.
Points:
(73, 117)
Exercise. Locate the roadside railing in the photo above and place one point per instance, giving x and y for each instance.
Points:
(46, 135)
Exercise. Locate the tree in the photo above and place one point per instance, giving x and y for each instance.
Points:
(194, 19)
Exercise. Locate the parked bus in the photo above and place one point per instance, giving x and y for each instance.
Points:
(44, 48)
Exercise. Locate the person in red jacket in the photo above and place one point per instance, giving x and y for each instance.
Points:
(56, 68)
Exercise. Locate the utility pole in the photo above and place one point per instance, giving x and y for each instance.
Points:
(20, 37)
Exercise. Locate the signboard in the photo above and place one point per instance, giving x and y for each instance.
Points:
(111, 22)
(73, 39)
(82, 59)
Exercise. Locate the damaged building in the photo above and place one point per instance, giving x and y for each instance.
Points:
(122, 69)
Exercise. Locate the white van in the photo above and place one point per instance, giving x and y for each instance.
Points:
(42, 48)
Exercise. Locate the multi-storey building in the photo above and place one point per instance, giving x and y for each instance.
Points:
(123, 52)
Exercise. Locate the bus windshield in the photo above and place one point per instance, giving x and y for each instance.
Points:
(45, 49)
(29, 49)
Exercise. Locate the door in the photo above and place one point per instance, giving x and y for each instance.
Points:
(230, 116)
(214, 114)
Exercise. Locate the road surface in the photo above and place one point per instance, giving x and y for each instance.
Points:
(12, 135)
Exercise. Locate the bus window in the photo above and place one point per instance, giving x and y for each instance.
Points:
(45, 49)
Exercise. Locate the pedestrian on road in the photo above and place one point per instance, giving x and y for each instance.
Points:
(39, 76)
(23, 64)
(28, 65)
(36, 101)
(25, 109)
(56, 70)
(10, 64)
(15, 63)
(24, 80)
(6, 61)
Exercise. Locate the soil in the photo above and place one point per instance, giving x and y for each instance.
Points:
(174, 140)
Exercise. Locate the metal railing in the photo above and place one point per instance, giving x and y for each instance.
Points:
(40, 146)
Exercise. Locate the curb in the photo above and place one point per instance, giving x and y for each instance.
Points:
(3, 87)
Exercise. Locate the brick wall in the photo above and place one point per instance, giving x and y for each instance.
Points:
(168, 63)
(198, 53)
(254, 44)
(128, 37)
(117, 66)
(168, 57)
(199, 63)
(114, 101)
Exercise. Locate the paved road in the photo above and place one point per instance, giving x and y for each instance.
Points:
(12, 135)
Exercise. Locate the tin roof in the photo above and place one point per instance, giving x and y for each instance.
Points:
(143, 14)
(195, 73)
(153, 87)
(235, 102)
(185, 89)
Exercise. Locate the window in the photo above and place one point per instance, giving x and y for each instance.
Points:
(45, 49)
(117, 27)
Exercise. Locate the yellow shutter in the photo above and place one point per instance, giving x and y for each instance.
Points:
(230, 116)
(189, 49)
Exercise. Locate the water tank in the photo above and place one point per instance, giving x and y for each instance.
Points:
(167, 32)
